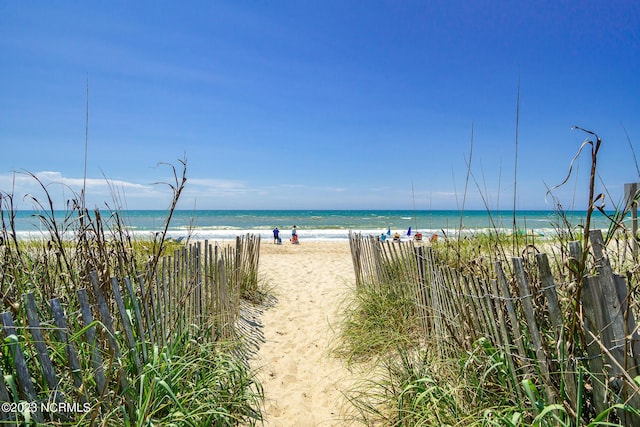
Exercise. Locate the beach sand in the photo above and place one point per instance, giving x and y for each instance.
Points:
(302, 381)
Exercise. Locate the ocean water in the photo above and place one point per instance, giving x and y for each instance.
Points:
(321, 224)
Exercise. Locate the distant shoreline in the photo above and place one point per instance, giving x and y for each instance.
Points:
(321, 225)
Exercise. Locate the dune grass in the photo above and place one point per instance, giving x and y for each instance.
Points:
(406, 382)
(192, 381)
(376, 321)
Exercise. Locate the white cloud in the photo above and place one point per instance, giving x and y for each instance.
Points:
(43, 184)
(212, 193)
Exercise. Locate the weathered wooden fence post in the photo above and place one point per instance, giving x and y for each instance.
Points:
(126, 324)
(567, 365)
(22, 372)
(630, 195)
(41, 348)
(532, 325)
(606, 330)
(96, 359)
(70, 351)
(4, 397)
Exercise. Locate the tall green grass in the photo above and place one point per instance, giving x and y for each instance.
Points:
(406, 383)
(377, 320)
(193, 381)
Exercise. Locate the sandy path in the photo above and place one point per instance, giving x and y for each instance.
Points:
(302, 383)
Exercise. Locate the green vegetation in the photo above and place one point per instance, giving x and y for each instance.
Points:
(377, 321)
(192, 383)
(192, 377)
(409, 383)
(437, 375)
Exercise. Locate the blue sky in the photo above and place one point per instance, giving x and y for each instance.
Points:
(318, 105)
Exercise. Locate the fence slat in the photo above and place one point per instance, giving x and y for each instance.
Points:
(126, 323)
(421, 291)
(631, 331)
(96, 359)
(551, 296)
(516, 332)
(613, 329)
(41, 348)
(223, 295)
(4, 396)
(567, 365)
(24, 379)
(592, 316)
(504, 338)
(70, 351)
(136, 312)
(532, 325)
(468, 295)
(149, 308)
(107, 321)
(164, 302)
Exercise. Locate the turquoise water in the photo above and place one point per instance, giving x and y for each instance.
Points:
(324, 224)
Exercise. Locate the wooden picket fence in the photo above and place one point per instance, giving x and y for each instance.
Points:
(70, 350)
(519, 312)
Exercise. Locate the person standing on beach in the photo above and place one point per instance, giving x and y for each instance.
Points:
(294, 235)
(276, 234)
